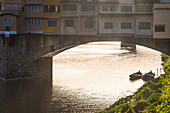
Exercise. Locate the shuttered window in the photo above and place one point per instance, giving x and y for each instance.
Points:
(160, 28)
(112, 8)
(69, 7)
(126, 25)
(34, 8)
(108, 25)
(126, 8)
(52, 23)
(69, 23)
(144, 25)
(144, 8)
(51, 8)
(34, 22)
(7, 21)
(88, 7)
(89, 23)
(105, 8)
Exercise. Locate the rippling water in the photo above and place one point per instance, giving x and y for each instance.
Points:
(86, 78)
(95, 75)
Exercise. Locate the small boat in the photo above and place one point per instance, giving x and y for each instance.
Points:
(136, 76)
(148, 76)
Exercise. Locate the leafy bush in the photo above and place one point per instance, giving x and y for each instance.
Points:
(152, 97)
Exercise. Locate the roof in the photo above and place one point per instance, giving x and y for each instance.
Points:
(9, 13)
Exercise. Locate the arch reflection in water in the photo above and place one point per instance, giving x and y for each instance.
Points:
(95, 75)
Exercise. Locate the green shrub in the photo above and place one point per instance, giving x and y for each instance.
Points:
(152, 97)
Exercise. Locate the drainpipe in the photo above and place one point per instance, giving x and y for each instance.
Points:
(134, 18)
(98, 5)
(79, 18)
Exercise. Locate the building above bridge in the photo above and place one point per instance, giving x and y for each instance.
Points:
(138, 18)
(161, 19)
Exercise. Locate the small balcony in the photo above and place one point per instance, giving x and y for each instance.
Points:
(10, 11)
(109, 1)
(87, 1)
(162, 1)
(69, 0)
(145, 1)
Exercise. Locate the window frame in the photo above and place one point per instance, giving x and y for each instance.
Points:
(108, 25)
(126, 25)
(144, 25)
(163, 29)
(88, 7)
(69, 7)
(48, 8)
(112, 8)
(8, 7)
(126, 9)
(89, 23)
(105, 8)
(14, 7)
(67, 23)
(52, 22)
(8, 21)
(34, 8)
(34, 22)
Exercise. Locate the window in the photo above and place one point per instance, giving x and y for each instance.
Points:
(34, 8)
(22, 9)
(126, 25)
(23, 22)
(105, 8)
(14, 7)
(126, 8)
(7, 21)
(89, 23)
(51, 8)
(69, 23)
(8, 7)
(88, 7)
(7, 28)
(108, 25)
(69, 7)
(112, 8)
(144, 8)
(34, 22)
(144, 25)
(52, 23)
(160, 28)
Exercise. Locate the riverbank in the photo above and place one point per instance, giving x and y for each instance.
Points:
(153, 96)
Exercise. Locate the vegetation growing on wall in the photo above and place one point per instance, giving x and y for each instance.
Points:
(152, 97)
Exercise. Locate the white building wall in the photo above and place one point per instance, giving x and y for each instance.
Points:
(116, 25)
(144, 18)
(126, 2)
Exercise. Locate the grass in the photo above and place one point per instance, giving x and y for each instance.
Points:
(152, 97)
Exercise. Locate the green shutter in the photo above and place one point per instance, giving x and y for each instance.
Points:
(7, 28)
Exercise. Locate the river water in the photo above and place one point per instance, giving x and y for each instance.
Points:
(86, 78)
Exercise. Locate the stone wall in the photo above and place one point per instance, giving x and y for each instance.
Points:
(22, 57)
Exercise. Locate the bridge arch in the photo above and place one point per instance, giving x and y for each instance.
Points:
(66, 42)
(30, 55)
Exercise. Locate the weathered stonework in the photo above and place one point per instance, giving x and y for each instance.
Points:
(30, 56)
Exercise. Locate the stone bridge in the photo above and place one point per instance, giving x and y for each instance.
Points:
(29, 56)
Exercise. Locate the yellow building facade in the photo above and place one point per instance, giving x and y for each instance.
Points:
(51, 16)
(161, 21)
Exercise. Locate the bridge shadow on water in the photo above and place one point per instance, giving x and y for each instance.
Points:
(25, 96)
